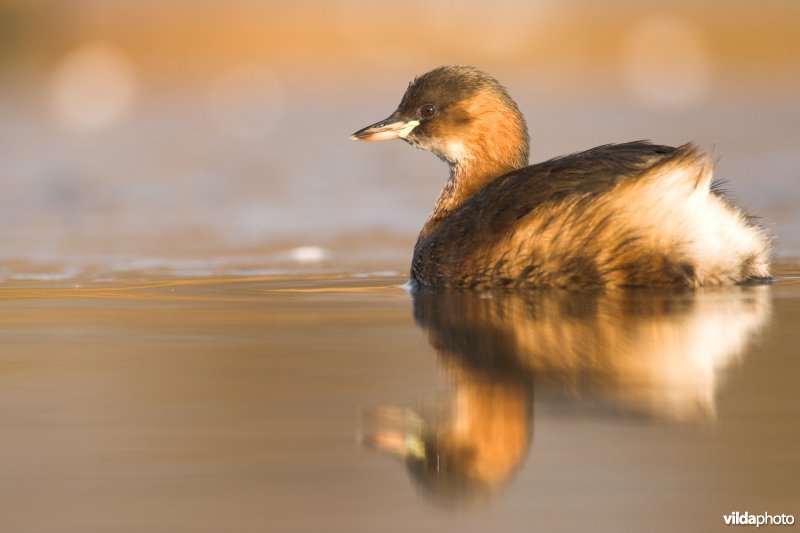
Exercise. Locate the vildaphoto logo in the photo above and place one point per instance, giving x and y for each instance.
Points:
(746, 519)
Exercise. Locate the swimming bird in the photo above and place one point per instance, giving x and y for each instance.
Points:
(618, 215)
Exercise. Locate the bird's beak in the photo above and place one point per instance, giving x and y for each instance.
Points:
(394, 431)
(390, 128)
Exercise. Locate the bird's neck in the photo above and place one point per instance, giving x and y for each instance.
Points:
(494, 143)
(468, 176)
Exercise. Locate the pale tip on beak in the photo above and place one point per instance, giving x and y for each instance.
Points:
(385, 131)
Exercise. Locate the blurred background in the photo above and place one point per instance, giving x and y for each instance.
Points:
(199, 137)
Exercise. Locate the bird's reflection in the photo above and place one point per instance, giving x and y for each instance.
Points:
(638, 353)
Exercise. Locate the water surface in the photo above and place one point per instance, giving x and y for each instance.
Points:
(345, 403)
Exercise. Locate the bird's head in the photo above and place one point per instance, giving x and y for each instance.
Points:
(462, 115)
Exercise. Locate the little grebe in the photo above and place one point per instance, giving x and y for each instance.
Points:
(632, 214)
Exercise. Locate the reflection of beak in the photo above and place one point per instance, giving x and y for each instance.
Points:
(396, 432)
(390, 128)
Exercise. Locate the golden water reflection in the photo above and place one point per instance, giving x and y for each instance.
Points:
(651, 355)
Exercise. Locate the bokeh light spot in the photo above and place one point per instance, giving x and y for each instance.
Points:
(308, 254)
(93, 86)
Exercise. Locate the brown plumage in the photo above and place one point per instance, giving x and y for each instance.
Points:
(633, 214)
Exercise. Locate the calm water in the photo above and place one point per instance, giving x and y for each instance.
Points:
(344, 403)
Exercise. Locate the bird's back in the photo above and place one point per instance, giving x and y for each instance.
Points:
(616, 215)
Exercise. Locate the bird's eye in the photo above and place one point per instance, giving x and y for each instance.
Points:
(427, 111)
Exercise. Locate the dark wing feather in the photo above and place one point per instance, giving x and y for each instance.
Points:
(592, 171)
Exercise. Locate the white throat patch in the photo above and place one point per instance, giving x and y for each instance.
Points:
(456, 151)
